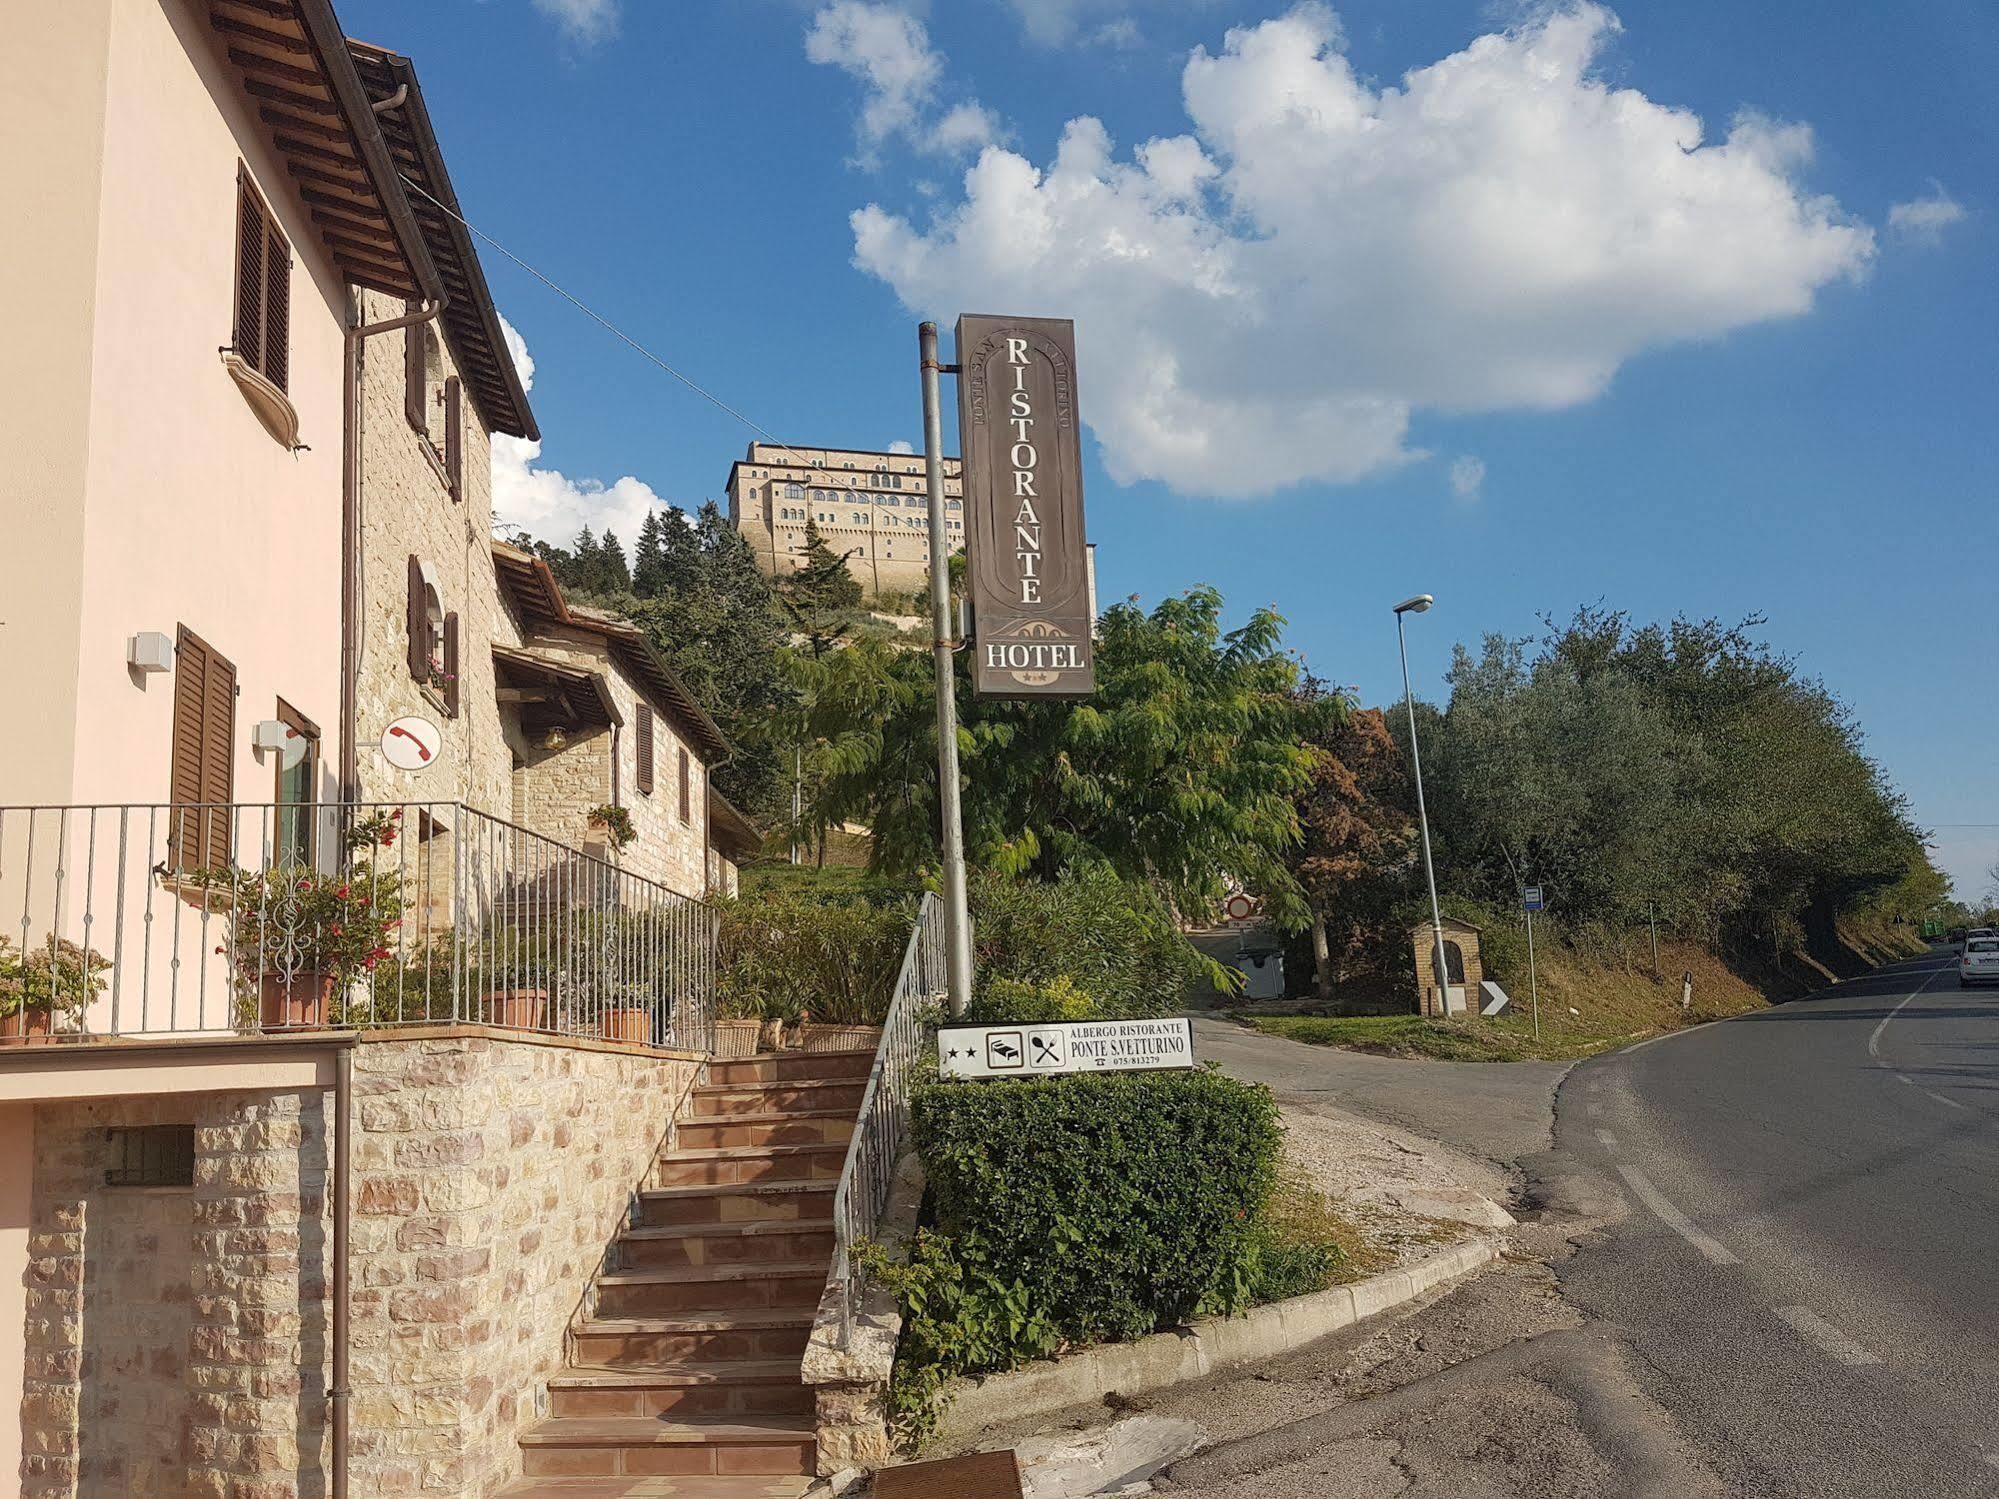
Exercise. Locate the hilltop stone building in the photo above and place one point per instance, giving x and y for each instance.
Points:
(869, 507)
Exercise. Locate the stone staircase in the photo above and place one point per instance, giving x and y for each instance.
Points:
(683, 1374)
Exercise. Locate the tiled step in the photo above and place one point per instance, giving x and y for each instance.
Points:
(843, 1094)
(792, 1066)
(636, 1447)
(760, 1486)
(749, 1163)
(748, 1202)
(726, 1243)
(769, 1387)
(800, 1127)
(704, 1335)
(663, 1291)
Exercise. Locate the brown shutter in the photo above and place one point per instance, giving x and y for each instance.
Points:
(686, 790)
(204, 743)
(277, 307)
(413, 374)
(644, 747)
(248, 339)
(454, 437)
(419, 623)
(451, 664)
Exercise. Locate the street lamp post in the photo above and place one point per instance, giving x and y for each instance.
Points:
(1440, 970)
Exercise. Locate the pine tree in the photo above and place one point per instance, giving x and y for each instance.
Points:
(648, 572)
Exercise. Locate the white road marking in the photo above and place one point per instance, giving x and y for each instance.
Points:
(1830, 1340)
(1874, 1041)
(1903, 1077)
(1952, 1102)
(1609, 1140)
(1674, 1219)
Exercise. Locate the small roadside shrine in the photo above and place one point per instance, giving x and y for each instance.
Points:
(1461, 963)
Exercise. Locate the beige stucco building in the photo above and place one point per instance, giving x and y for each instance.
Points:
(252, 375)
(870, 507)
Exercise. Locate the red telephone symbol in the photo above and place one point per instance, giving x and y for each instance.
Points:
(422, 749)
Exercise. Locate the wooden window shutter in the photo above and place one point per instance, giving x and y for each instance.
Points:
(686, 789)
(277, 307)
(454, 437)
(451, 664)
(248, 339)
(419, 623)
(413, 375)
(644, 747)
(203, 762)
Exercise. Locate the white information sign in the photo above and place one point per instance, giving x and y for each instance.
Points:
(1074, 1046)
(411, 743)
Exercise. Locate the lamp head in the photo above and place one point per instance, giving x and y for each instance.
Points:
(1416, 605)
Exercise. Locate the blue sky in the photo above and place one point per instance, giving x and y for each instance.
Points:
(1680, 377)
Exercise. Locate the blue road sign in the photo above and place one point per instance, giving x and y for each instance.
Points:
(1530, 899)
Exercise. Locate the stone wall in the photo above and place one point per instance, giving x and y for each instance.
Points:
(559, 787)
(407, 509)
(177, 1339)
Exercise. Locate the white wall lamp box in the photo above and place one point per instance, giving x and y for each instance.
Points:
(149, 650)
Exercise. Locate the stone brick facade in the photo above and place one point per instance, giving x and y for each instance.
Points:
(407, 510)
(177, 1339)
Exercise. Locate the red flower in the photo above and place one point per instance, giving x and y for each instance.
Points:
(341, 892)
(336, 929)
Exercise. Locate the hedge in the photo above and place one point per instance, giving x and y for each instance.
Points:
(1121, 1202)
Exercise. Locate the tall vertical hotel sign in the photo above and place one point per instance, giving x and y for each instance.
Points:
(1023, 478)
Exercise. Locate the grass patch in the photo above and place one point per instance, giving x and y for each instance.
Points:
(1305, 1244)
(1415, 1036)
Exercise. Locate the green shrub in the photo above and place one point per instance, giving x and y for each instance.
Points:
(1116, 941)
(786, 954)
(1123, 1200)
(1005, 1001)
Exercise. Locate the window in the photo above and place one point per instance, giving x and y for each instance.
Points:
(686, 788)
(150, 1155)
(297, 786)
(794, 492)
(433, 403)
(203, 768)
(262, 335)
(643, 747)
(953, 505)
(432, 636)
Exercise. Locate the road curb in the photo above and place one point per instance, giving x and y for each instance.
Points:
(1205, 1347)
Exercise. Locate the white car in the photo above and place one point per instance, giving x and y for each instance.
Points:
(1980, 961)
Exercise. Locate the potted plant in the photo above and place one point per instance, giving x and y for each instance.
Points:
(299, 936)
(54, 979)
(612, 825)
(518, 963)
(626, 1016)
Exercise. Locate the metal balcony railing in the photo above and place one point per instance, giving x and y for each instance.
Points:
(882, 1130)
(160, 920)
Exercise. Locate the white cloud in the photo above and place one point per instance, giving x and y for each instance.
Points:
(1053, 23)
(1120, 35)
(1267, 299)
(584, 21)
(899, 446)
(1925, 219)
(545, 502)
(1468, 476)
(888, 51)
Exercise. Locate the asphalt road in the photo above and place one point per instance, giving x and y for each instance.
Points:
(1499, 1111)
(1807, 1271)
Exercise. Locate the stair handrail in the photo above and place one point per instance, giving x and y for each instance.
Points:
(881, 1129)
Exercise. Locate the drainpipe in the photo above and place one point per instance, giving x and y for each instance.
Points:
(350, 531)
(343, 1285)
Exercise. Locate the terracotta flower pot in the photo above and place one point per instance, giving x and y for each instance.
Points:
(515, 1009)
(295, 1001)
(631, 1023)
(34, 1026)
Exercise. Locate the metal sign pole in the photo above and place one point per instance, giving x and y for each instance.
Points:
(1533, 984)
(957, 913)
